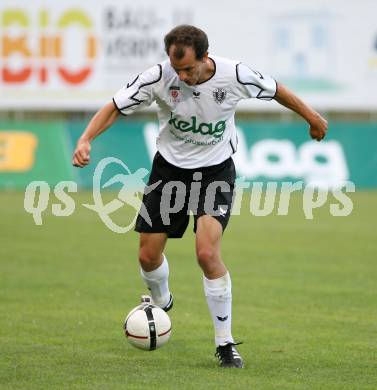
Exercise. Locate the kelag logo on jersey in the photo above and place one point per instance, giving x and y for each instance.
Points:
(216, 130)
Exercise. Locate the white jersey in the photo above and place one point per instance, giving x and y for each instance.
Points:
(196, 122)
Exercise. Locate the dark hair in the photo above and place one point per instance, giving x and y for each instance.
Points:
(184, 36)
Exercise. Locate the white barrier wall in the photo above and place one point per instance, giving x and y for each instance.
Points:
(76, 54)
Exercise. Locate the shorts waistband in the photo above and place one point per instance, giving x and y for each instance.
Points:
(190, 171)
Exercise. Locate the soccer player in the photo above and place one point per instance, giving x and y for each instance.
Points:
(197, 94)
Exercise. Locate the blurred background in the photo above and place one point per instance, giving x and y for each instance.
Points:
(61, 61)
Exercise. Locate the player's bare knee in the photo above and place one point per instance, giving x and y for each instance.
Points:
(149, 259)
(206, 256)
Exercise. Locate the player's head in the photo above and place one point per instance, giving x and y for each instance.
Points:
(187, 48)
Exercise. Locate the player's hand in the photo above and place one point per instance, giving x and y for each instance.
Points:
(81, 156)
(318, 128)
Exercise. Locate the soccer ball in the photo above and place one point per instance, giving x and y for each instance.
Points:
(147, 327)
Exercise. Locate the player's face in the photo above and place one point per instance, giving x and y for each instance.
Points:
(189, 69)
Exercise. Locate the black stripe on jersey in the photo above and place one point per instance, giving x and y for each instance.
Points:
(270, 97)
(276, 89)
(120, 112)
(137, 101)
(214, 72)
(231, 145)
(130, 85)
(255, 85)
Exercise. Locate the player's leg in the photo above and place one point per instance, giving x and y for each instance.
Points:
(155, 268)
(217, 288)
(151, 247)
(217, 283)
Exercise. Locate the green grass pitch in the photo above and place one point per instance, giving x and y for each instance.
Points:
(304, 293)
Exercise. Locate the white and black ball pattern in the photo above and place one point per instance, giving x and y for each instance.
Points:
(147, 327)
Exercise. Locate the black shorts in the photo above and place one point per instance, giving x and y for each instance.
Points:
(201, 191)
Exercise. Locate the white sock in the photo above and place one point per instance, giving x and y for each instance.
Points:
(157, 283)
(219, 298)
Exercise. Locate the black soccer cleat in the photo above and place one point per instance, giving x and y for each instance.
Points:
(170, 304)
(228, 356)
(148, 299)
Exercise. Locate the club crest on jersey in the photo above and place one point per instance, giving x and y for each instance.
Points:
(219, 94)
(175, 94)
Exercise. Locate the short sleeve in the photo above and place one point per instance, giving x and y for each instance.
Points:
(138, 93)
(253, 84)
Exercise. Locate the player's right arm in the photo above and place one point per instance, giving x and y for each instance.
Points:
(132, 97)
(102, 120)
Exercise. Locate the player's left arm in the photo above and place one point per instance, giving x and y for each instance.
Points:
(318, 125)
